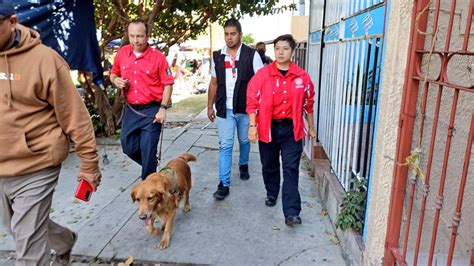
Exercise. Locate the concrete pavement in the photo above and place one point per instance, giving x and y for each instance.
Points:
(240, 230)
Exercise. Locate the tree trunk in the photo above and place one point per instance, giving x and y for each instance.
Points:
(101, 103)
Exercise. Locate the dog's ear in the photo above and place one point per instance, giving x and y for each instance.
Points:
(134, 195)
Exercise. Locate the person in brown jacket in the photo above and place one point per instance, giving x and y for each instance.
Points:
(40, 112)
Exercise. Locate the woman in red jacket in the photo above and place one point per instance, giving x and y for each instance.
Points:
(277, 96)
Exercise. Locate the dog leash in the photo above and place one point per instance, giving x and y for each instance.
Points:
(158, 158)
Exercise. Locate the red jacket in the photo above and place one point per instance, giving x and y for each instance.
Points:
(260, 98)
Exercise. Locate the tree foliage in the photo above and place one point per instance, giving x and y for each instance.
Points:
(170, 22)
(248, 39)
(174, 21)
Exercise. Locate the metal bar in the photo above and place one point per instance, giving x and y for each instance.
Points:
(439, 198)
(354, 78)
(337, 112)
(462, 185)
(370, 8)
(359, 89)
(347, 83)
(405, 135)
(409, 213)
(468, 27)
(472, 253)
(362, 103)
(320, 69)
(426, 185)
(365, 37)
(401, 261)
(371, 102)
(444, 84)
(342, 86)
(439, 52)
(374, 107)
(348, 131)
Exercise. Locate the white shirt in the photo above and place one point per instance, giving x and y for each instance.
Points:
(231, 78)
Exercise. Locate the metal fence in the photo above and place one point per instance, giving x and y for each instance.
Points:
(436, 136)
(299, 57)
(345, 48)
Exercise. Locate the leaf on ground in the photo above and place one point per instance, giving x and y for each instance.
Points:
(275, 228)
(309, 205)
(76, 201)
(72, 222)
(51, 210)
(335, 241)
(122, 189)
(331, 233)
(2, 234)
(323, 212)
(129, 261)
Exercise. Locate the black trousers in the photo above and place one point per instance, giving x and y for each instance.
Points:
(283, 143)
(139, 136)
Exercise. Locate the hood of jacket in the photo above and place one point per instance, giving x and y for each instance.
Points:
(28, 39)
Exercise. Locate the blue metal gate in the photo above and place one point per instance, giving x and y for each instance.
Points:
(345, 48)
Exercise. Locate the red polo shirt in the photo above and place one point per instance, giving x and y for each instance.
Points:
(147, 74)
(282, 98)
(261, 99)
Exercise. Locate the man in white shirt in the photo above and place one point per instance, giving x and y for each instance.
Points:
(232, 68)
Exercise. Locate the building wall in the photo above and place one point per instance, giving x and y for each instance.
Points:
(397, 38)
(299, 28)
(390, 101)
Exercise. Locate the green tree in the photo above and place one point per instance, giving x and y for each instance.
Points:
(248, 38)
(171, 22)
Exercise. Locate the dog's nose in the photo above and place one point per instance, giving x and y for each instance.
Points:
(142, 216)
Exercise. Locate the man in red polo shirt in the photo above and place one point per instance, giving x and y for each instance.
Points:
(145, 76)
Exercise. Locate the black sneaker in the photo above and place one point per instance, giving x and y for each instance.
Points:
(291, 220)
(221, 192)
(270, 201)
(244, 172)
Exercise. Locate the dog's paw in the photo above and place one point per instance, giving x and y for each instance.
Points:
(187, 208)
(164, 243)
(153, 231)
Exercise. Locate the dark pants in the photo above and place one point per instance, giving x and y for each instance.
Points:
(140, 136)
(283, 141)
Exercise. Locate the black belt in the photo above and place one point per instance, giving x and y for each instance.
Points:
(144, 106)
(282, 122)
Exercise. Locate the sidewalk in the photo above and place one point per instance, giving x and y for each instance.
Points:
(240, 230)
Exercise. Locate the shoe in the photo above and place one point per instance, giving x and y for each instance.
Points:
(65, 258)
(221, 192)
(270, 201)
(291, 220)
(244, 172)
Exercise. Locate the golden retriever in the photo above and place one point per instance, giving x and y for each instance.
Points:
(160, 193)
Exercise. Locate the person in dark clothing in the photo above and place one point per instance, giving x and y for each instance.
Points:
(231, 69)
(278, 97)
(146, 78)
(261, 51)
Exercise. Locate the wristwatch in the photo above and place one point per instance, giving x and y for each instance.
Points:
(165, 106)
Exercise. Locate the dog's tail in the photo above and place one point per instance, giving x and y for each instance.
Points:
(187, 156)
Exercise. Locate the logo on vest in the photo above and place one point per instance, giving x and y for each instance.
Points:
(12, 76)
(299, 83)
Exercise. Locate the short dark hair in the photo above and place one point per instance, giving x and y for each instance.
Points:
(260, 43)
(139, 21)
(288, 38)
(232, 22)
